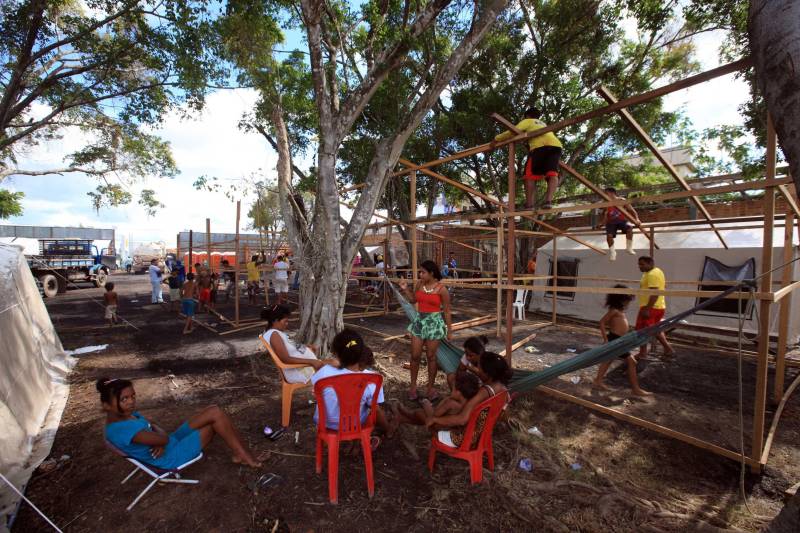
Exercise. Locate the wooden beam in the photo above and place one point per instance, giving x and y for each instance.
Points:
(236, 264)
(651, 145)
(554, 316)
(414, 238)
(626, 102)
(790, 200)
(785, 311)
(445, 179)
(652, 426)
(519, 343)
(511, 247)
(775, 419)
(600, 192)
(499, 274)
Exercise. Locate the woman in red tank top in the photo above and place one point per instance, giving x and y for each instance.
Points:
(430, 326)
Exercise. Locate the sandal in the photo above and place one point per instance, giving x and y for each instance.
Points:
(434, 397)
(413, 396)
(374, 442)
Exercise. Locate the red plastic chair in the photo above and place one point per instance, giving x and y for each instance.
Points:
(349, 389)
(474, 457)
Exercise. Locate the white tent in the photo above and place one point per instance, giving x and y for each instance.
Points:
(33, 389)
(682, 256)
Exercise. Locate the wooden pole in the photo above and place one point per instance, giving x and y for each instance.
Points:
(208, 243)
(511, 253)
(499, 274)
(386, 257)
(652, 242)
(178, 256)
(555, 278)
(765, 307)
(236, 265)
(785, 309)
(191, 261)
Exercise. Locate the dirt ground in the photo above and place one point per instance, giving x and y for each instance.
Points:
(590, 472)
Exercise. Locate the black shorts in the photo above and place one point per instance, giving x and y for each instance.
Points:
(613, 227)
(542, 162)
(613, 337)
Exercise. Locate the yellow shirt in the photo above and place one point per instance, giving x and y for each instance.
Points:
(532, 124)
(654, 279)
(252, 271)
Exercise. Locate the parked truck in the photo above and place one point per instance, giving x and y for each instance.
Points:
(61, 261)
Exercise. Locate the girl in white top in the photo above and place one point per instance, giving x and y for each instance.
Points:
(287, 350)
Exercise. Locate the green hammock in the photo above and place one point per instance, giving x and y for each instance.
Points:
(449, 355)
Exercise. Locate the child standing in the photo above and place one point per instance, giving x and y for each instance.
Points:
(615, 220)
(281, 279)
(174, 283)
(188, 292)
(614, 325)
(110, 299)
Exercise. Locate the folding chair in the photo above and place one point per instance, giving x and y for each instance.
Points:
(519, 303)
(159, 475)
(287, 389)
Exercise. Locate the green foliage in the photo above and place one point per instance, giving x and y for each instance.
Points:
(147, 199)
(107, 68)
(10, 203)
(109, 195)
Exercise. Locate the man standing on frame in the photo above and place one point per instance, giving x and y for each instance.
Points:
(652, 308)
(544, 156)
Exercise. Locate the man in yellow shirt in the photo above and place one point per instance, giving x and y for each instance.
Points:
(253, 277)
(544, 155)
(651, 308)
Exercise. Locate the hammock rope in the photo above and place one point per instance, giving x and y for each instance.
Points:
(449, 356)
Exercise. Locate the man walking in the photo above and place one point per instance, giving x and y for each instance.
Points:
(155, 282)
(651, 308)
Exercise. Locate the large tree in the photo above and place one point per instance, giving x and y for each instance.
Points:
(410, 49)
(774, 28)
(100, 69)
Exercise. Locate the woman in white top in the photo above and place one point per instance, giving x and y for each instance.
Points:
(287, 350)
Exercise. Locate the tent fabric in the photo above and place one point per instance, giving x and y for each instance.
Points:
(33, 386)
(448, 356)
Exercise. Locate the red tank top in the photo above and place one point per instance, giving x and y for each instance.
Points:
(429, 302)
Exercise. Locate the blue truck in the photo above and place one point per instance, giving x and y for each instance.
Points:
(61, 262)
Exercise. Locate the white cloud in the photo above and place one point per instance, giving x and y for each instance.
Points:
(210, 144)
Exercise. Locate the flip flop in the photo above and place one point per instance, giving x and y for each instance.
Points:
(434, 397)
(413, 396)
(374, 442)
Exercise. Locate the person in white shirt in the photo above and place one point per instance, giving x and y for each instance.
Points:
(155, 282)
(281, 280)
(351, 353)
(287, 350)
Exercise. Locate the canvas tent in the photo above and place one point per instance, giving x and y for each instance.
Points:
(33, 389)
(685, 254)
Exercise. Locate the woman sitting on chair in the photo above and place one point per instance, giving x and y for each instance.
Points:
(134, 436)
(432, 324)
(498, 374)
(288, 351)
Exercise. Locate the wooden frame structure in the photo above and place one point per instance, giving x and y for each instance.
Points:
(505, 233)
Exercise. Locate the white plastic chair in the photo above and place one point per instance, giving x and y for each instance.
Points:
(519, 304)
(159, 475)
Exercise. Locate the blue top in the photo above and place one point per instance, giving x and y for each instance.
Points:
(184, 443)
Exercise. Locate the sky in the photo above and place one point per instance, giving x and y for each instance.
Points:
(211, 144)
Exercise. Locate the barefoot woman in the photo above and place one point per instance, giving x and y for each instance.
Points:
(429, 327)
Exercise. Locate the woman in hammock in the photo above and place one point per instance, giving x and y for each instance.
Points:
(432, 324)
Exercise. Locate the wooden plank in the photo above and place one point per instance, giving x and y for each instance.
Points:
(766, 296)
(472, 324)
(414, 238)
(762, 367)
(775, 419)
(652, 426)
(236, 263)
(511, 247)
(554, 316)
(244, 328)
(517, 344)
(785, 311)
(445, 179)
(499, 274)
(780, 295)
(790, 201)
(651, 145)
(625, 102)
(600, 192)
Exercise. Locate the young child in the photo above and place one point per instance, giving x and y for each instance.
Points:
(465, 387)
(133, 435)
(614, 325)
(348, 347)
(188, 293)
(110, 299)
(470, 361)
(498, 374)
(615, 220)
(174, 283)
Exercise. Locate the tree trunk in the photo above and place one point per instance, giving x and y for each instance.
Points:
(774, 28)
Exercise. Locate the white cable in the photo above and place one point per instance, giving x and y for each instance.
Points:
(29, 502)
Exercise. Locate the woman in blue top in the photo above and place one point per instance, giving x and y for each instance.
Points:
(134, 436)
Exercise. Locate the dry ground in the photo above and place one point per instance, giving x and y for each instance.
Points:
(629, 479)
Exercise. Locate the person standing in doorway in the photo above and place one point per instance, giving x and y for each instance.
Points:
(652, 308)
(155, 282)
(544, 156)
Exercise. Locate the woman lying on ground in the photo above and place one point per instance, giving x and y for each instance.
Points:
(432, 324)
(134, 436)
(288, 351)
(498, 374)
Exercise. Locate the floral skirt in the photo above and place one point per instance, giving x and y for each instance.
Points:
(428, 326)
